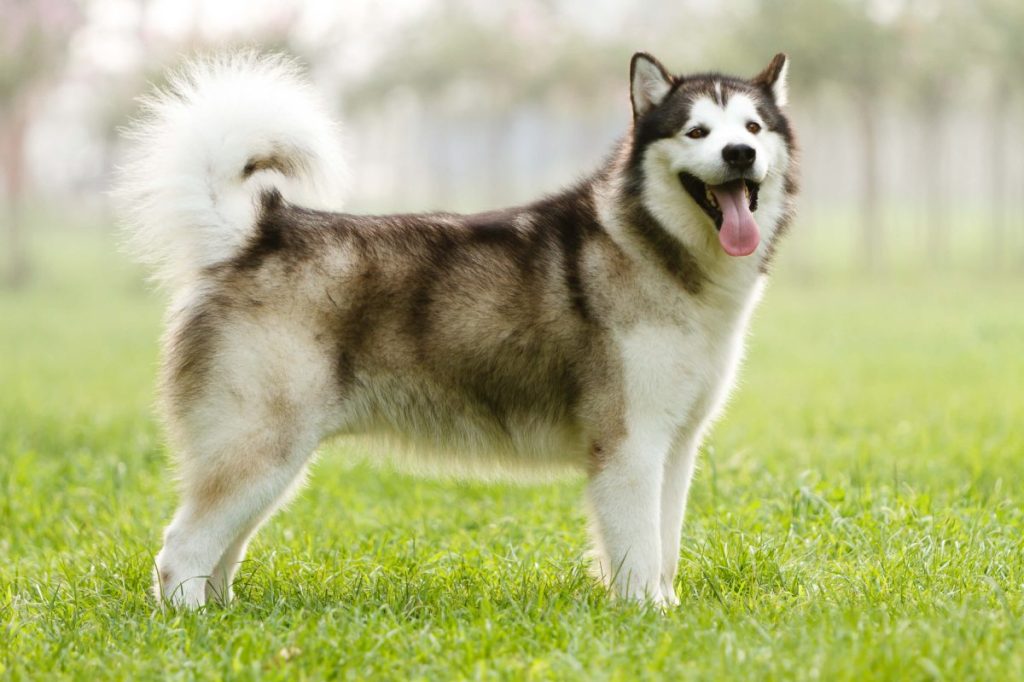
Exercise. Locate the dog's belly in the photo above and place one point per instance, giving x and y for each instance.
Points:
(436, 426)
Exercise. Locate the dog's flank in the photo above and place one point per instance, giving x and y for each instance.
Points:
(596, 329)
(454, 331)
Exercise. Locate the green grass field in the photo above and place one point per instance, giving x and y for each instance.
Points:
(858, 513)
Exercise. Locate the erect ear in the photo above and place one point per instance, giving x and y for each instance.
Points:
(773, 79)
(649, 83)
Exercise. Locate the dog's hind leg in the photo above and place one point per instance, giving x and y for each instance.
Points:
(219, 586)
(234, 473)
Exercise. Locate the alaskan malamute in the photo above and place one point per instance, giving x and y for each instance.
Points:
(598, 328)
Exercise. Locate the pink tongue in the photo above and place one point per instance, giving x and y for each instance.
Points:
(739, 235)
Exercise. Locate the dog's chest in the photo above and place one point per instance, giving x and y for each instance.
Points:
(678, 369)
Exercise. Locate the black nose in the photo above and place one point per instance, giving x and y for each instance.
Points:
(739, 156)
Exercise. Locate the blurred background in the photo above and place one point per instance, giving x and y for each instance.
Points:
(908, 111)
(858, 508)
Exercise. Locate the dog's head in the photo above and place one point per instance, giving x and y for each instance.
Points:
(709, 149)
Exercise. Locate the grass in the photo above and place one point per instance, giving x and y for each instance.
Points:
(858, 513)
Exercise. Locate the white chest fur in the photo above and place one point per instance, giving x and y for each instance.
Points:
(677, 375)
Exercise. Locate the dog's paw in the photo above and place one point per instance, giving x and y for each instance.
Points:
(189, 594)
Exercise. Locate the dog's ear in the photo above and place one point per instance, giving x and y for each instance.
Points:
(649, 83)
(773, 79)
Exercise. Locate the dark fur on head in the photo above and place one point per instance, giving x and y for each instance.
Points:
(665, 118)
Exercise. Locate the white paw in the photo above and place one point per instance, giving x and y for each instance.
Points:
(189, 593)
(643, 593)
(668, 592)
(218, 591)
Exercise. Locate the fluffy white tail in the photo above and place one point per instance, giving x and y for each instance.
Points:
(224, 130)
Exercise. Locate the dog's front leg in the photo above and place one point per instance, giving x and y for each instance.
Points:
(624, 492)
(678, 473)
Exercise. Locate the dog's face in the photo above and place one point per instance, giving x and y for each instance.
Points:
(712, 147)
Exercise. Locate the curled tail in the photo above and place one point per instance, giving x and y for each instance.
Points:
(224, 131)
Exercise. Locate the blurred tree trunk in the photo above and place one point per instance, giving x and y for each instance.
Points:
(32, 53)
(870, 215)
(15, 261)
(495, 164)
(936, 204)
(999, 170)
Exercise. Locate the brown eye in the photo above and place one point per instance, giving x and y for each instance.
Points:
(697, 133)
(753, 128)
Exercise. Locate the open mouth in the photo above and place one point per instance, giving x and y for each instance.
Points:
(730, 206)
(706, 198)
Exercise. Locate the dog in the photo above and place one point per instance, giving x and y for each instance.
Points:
(597, 329)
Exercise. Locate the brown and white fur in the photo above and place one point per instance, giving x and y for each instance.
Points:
(597, 329)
